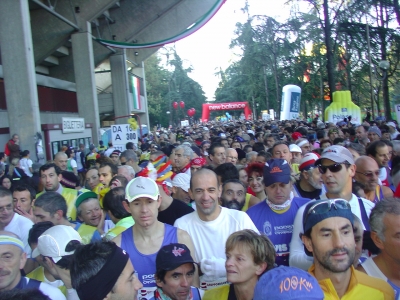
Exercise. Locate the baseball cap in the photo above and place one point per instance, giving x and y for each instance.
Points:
(91, 147)
(294, 148)
(376, 130)
(320, 125)
(289, 283)
(141, 187)
(115, 152)
(317, 211)
(182, 180)
(276, 170)
(82, 197)
(308, 161)
(337, 153)
(296, 136)
(53, 241)
(391, 124)
(246, 137)
(172, 256)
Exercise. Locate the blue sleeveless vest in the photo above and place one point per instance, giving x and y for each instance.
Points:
(145, 265)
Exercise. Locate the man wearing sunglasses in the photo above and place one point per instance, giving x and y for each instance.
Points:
(328, 236)
(337, 169)
(367, 174)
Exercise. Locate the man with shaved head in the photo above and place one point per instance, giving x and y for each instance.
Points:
(60, 159)
(367, 172)
(210, 226)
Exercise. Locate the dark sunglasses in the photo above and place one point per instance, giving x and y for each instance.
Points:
(369, 174)
(323, 206)
(123, 163)
(333, 168)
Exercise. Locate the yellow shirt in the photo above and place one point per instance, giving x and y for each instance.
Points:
(38, 274)
(246, 202)
(70, 196)
(120, 227)
(361, 286)
(220, 293)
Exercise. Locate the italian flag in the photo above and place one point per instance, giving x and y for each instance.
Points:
(135, 90)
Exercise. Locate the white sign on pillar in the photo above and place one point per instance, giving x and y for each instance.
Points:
(122, 134)
(397, 109)
(70, 125)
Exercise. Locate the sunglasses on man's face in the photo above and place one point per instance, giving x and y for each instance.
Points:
(332, 168)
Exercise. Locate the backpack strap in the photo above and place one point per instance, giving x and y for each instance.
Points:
(364, 216)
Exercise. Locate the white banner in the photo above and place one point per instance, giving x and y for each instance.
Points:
(397, 109)
(122, 134)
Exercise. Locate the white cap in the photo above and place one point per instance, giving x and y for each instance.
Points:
(391, 124)
(294, 148)
(182, 180)
(53, 241)
(141, 187)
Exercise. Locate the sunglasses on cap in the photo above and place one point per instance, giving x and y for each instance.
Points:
(333, 168)
(324, 206)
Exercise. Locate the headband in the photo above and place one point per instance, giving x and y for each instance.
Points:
(302, 143)
(103, 282)
(10, 240)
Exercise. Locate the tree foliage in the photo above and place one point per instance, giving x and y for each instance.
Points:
(164, 87)
(322, 50)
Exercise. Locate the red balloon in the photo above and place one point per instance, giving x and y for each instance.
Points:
(194, 111)
(190, 112)
(182, 104)
(175, 105)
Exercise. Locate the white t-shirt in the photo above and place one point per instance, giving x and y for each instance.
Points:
(209, 238)
(25, 164)
(20, 226)
(50, 291)
(298, 258)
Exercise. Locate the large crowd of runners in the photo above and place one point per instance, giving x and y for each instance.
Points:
(216, 211)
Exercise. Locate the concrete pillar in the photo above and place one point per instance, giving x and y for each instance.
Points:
(19, 71)
(82, 51)
(120, 88)
(146, 120)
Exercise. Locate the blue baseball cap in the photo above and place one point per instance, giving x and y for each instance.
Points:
(287, 283)
(276, 170)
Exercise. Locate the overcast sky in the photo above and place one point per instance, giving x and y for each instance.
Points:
(208, 49)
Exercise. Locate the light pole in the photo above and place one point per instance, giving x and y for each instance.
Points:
(257, 110)
(169, 102)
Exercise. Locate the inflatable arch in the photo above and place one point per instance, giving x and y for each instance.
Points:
(225, 106)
